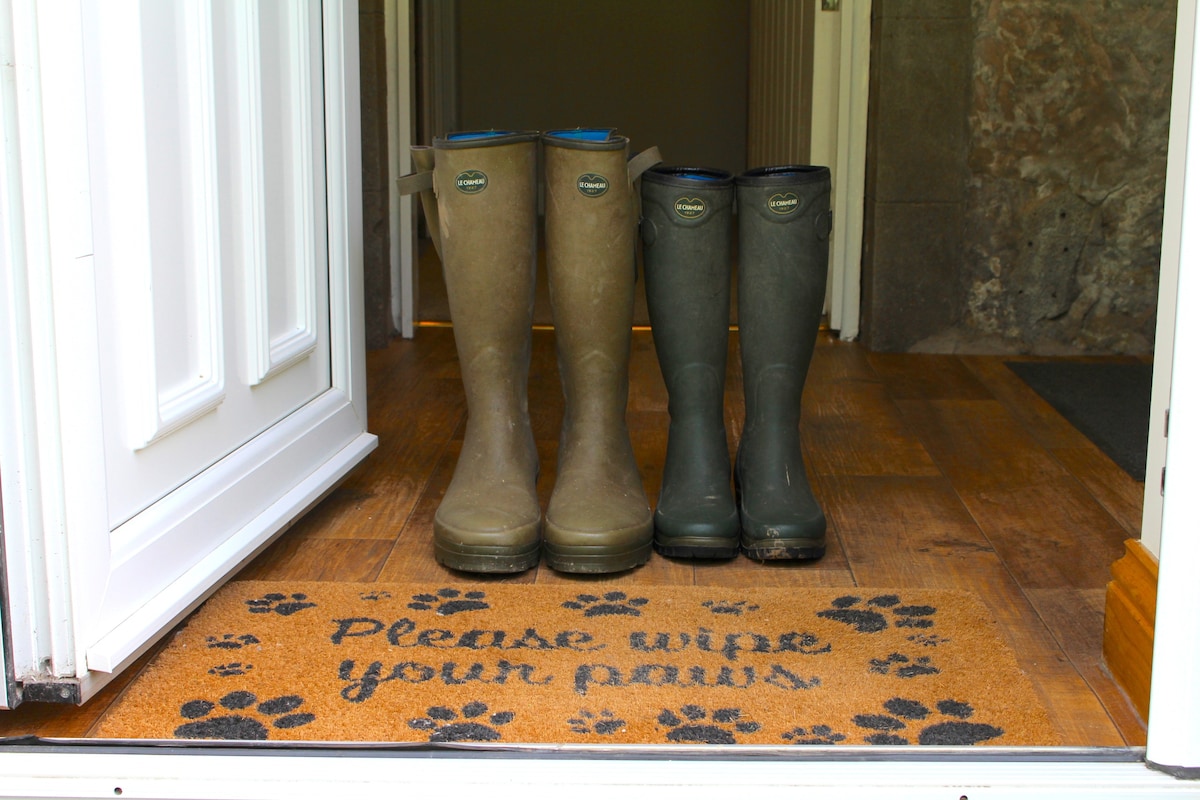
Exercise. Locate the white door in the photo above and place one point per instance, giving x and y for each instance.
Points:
(195, 360)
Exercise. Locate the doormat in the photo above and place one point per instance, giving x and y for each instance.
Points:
(1107, 402)
(342, 662)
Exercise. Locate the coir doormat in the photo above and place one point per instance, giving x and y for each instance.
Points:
(338, 662)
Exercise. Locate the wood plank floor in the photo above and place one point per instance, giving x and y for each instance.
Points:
(935, 472)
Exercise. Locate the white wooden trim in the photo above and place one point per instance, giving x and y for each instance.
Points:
(1168, 278)
(848, 212)
(127, 641)
(44, 233)
(179, 405)
(1173, 732)
(397, 15)
(270, 356)
(343, 170)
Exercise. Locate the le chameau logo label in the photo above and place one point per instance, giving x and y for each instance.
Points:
(690, 207)
(471, 182)
(783, 203)
(592, 185)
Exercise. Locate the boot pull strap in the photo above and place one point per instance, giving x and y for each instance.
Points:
(421, 182)
(637, 165)
(415, 182)
(642, 162)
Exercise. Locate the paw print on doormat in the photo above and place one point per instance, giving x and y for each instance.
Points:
(604, 724)
(444, 724)
(929, 639)
(230, 641)
(253, 722)
(449, 601)
(375, 596)
(610, 604)
(694, 725)
(281, 604)
(817, 734)
(230, 670)
(870, 618)
(734, 607)
(902, 666)
(902, 712)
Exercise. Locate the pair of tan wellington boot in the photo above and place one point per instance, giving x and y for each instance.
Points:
(480, 191)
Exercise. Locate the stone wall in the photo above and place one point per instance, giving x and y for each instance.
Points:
(1069, 120)
(1061, 193)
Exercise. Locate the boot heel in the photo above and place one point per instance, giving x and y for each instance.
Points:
(596, 560)
(482, 559)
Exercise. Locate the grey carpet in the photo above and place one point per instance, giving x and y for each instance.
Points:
(1108, 402)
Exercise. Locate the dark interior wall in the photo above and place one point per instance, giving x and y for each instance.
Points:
(670, 73)
(915, 194)
(1016, 171)
(372, 73)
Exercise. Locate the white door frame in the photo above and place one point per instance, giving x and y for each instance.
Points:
(848, 201)
(398, 33)
(1174, 735)
(99, 771)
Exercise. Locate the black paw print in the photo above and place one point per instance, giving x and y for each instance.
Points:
(817, 734)
(902, 666)
(276, 712)
(231, 641)
(604, 723)
(929, 639)
(280, 604)
(901, 712)
(374, 596)
(611, 604)
(230, 670)
(449, 601)
(446, 724)
(736, 608)
(696, 726)
(870, 619)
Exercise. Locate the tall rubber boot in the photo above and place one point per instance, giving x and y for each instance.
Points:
(598, 519)
(784, 221)
(687, 230)
(485, 229)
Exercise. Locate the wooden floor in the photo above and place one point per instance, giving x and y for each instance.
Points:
(934, 471)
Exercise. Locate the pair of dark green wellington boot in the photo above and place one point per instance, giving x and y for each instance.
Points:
(783, 225)
(481, 207)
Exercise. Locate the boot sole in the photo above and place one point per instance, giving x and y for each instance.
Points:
(696, 547)
(595, 560)
(784, 549)
(494, 560)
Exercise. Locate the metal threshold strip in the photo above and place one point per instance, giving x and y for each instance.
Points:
(648, 752)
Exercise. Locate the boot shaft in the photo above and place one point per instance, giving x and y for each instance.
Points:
(486, 189)
(784, 221)
(687, 230)
(590, 240)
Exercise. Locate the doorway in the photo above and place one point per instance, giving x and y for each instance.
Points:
(679, 76)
